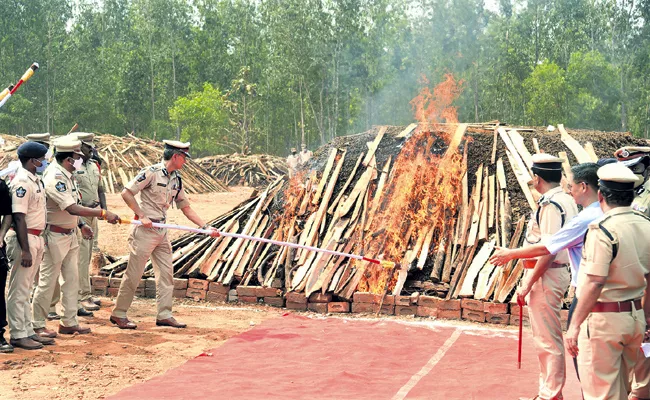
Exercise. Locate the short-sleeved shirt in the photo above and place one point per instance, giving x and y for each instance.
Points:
(28, 197)
(293, 161)
(158, 190)
(626, 272)
(89, 181)
(62, 192)
(548, 219)
(5, 199)
(571, 237)
(641, 201)
(305, 156)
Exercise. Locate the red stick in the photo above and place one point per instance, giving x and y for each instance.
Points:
(521, 328)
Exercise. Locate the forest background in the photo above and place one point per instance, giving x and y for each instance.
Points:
(268, 74)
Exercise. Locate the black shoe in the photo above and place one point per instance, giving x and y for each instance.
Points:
(82, 312)
(53, 316)
(4, 346)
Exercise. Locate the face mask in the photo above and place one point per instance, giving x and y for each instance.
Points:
(77, 164)
(44, 165)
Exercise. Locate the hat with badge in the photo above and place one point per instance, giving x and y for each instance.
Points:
(84, 137)
(616, 177)
(67, 145)
(31, 150)
(181, 147)
(547, 162)
(632, 155)
(39, 137)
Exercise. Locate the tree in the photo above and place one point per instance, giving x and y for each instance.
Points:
(546, 90)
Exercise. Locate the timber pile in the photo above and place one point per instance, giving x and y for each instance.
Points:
(435, 199)
(257, 170)
(8, 149)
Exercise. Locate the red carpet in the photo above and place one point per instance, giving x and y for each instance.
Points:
(294, 357)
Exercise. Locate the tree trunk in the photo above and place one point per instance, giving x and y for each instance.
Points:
(178, 127)
(623, 105)
(302, 116)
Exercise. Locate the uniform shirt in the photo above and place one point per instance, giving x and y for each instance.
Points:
(305, 156)
(571, 237)
(625, 273)
(89, 181)
(550, 219)
(158, 189)
(293, 161)
(28, 197)
(5, 199)
(641, 201)
(62, 192)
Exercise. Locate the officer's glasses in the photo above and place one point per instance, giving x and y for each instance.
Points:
(570, 186)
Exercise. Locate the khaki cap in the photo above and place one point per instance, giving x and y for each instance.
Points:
(85, 137)
(616, 176)
(547, 162)
(183, 147)
(39, 137)
(632, 155)
(67, 145)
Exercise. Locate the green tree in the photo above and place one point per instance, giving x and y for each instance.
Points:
(546, 89)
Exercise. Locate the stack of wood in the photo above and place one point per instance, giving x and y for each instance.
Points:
(8, 149)
(256, 170)
(356, 200)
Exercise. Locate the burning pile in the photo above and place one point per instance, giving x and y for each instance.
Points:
(255, 170)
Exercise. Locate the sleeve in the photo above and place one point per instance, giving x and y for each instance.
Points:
(100, 185)
(570, 235)
(5, 199)
(182, 200)
(550, 220)
(141, 181)
(60, 192)
(20, 194)
(596, 254)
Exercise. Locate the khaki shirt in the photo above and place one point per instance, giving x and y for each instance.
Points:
(305, 156)
(625, 273)
(89, 181)
(28, 197)
(293, 161)
(158, 189)
(550, 219)
(641, 201)
(62, 192)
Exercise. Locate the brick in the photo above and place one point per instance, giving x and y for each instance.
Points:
(98, 291)
(471, 304)
(217, 287)
(423, 311)
(296, 306)
(429, 301)
(366, 308)
(495, 308)
(268, 292)
(112, 291)
(475, 316)
(179, 293)
(294, 297)
(514, 309)
(232, 295)
(403, 301)
(150, 284)
(320, 308)
(196, 293)
(216, 297)
(142, 284)
(338, 307)
(247, 299)
(405, 310)
(247, 291)
(199, 284)
(115, 282)
(277, 283)
(180, 283)
(514, 320)
(501, 319)
(274, 301)
(320, 298)
(415, 297)
(99, 281)
(451, 305)
(370, 298)
(448, 314)
(150, 292)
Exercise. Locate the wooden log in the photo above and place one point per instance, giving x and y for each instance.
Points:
(589, 148)
(523, 181)
(578, 151)
(518, 142)
(485, 205)
(325, 178)
(566, 167)
(407, 131)
(461, 271)
(436, 272)
(467, 283)
(376, 200)
(335, 203)
(485, 281)
(426, 244)
(491, 200)
(518, 164)
(373, 147)
(536, 146)
(446, 270)
(494, 147)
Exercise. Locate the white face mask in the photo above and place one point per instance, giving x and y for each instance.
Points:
(78, 163)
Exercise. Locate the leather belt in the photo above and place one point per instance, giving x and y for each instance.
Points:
(94, 204)
(158, 221)
(35, 232)
(616, 306)
(530, 264)
(58, 229)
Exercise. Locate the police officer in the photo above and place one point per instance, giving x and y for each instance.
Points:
(62, 252)
(25, 244)
(5, 216)
(547, 277)
(609, 321)
(305, 154)
(159, 186)
(92, 196)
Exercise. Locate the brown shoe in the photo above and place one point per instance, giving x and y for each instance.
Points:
(43, 340)
(26, 343)
(122, 323)
(71, 330)
(89, 305)
(170, 322)
(44, 332)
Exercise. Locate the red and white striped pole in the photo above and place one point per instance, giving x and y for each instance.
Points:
(8, 92)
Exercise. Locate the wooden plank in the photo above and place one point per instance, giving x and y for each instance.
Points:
(376, 199)
(325, 178)
(536, 146)
(374, 145)
(436, 272)
(467, 285)
(491, 200)
(578, 151)
(518, 142)
(518, 163)
(566, 167)
(424, 250)
(407, 130)
(485, 201)
(589, 148)
(501, 175)
(446, 269)
(522, 180)
(494, 147)
(335, 203)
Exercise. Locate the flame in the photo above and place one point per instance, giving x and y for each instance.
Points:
(425, 190)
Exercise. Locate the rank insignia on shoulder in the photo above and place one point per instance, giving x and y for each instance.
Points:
(141, 177)
(81, 172)
(20, 192)
(636, 207)
(60, 187)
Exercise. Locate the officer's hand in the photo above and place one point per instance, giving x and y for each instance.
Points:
(571, 340)
(501, 256)
(146, 222)
(214, 232)
(26, 259)
(86, 232)
(521, 296)
(111, 217)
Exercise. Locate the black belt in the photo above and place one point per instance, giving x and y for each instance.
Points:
(616, 306)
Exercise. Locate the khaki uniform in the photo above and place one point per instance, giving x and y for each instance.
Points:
(27, 197)
(641, 201)
(292, 163)
(89, 181)
(158, 190)
(545, 298)
(609, 342)
(61, 250)
(305, 156)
